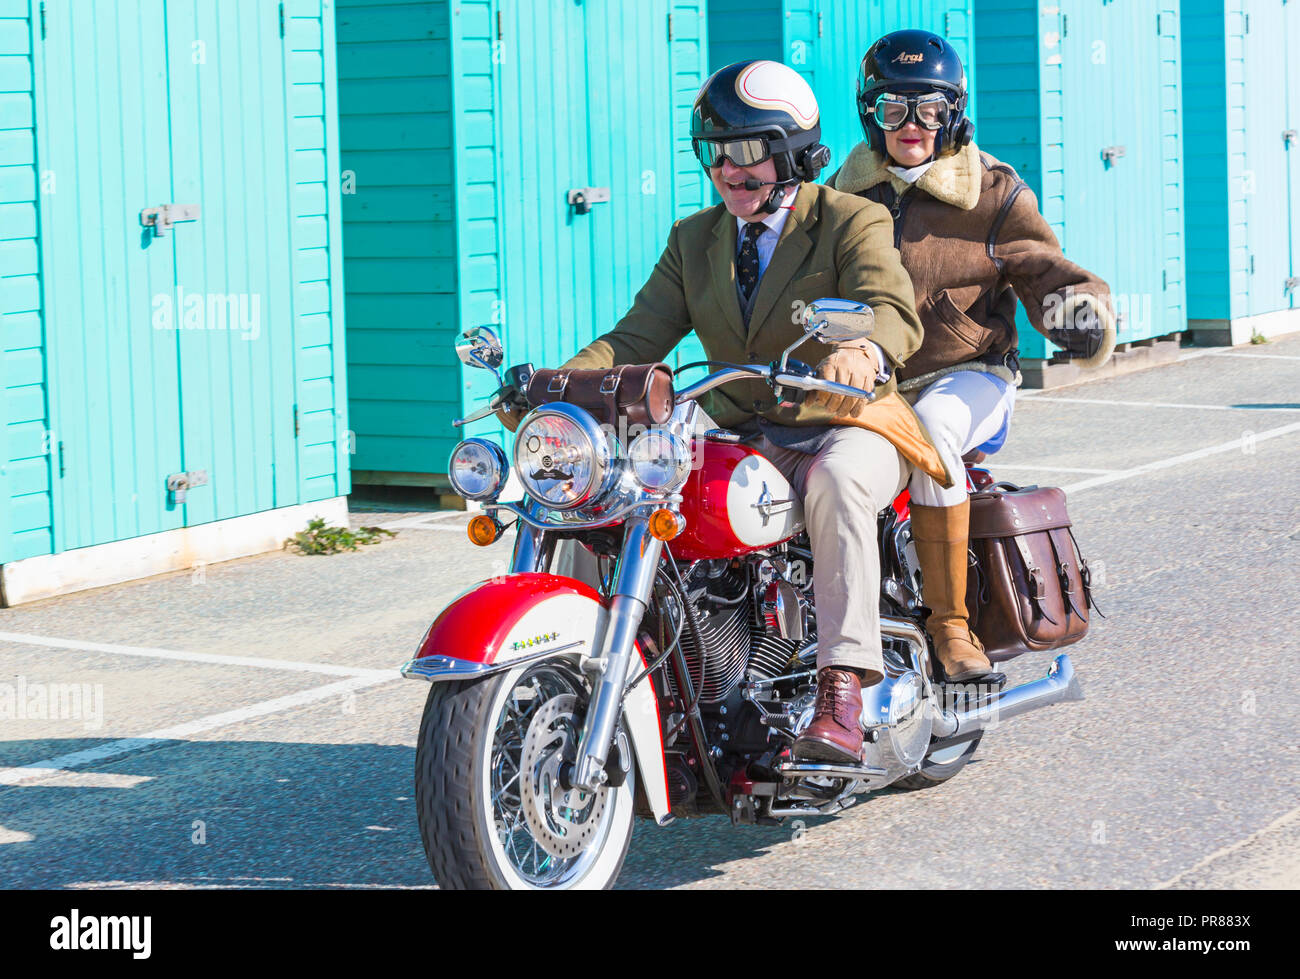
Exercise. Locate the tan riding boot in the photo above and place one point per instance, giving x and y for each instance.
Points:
(941, 536)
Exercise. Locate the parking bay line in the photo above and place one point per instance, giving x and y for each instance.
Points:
(1180, 459)
(1154, 404)
(216, 658)
(62, 764)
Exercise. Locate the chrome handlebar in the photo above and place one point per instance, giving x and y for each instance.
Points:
(777, 380)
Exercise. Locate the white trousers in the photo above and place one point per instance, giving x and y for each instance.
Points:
(961, 411)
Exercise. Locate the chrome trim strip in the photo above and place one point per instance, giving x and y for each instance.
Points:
(435, 668)
(604, 521)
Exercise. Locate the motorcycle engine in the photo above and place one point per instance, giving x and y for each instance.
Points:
(736, 642)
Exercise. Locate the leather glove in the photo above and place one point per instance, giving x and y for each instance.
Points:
(510, 416)
(854, 366)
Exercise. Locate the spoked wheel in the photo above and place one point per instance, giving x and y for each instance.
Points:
(941, 765)
(493, 809)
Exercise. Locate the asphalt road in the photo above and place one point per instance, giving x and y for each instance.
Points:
(186, 765)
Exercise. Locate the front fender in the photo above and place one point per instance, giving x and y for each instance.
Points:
(511, 619)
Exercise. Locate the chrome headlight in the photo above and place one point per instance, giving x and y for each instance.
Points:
(661, 461)
(563, 458)
(477, 469)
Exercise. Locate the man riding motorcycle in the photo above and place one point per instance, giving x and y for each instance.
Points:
(738, 274)
(972, 239)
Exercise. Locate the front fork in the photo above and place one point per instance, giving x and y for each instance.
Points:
(634, 577)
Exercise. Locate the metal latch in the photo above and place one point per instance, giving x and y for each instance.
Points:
(178, 483)
(583, 197)
(1289, 137)
(1291, 285)
(1112, 153)
(163, 217)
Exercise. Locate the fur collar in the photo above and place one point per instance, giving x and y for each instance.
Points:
(954, 179)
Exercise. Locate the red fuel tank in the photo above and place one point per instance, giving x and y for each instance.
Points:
(734, 502)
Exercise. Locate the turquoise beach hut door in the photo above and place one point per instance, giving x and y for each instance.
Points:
(593, 86)
(166, 256)
(105, 156)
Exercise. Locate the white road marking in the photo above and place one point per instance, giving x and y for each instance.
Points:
(1157, 404)
(424, 519)
(1281, 823)
(54, 767)
(1233, 353)
(1050, 469)
(270, 664)
(1185, 457)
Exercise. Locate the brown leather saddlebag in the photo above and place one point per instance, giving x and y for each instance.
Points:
(643, 393)
(1030, 589)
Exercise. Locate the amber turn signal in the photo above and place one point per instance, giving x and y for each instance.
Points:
(484, 530)
(665, 525)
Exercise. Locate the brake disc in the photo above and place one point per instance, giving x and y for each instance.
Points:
(562, 821)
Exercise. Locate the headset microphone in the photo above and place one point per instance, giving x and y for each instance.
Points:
(753, 183)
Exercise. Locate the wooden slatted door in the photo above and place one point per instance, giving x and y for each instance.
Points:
(234, 266)
(104, 156)
(172, 346)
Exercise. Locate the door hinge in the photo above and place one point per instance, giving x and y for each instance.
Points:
(62, 468)
(1065, 26)
(670, 26)
(282, 20)
(820, 26)
(42, 21)
(947, 24)
(1157, 25)
(1164, 279)
(1252, 264)
(500, 34)
(1247, 28)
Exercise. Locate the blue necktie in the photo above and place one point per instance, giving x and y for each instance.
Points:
(747, 273)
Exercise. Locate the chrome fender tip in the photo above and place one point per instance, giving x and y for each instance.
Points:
(1062, 671)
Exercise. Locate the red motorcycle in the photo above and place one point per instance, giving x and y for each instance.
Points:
(672, 680)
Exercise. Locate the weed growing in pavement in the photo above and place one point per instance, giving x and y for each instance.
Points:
(319, 539)
(1256, 337)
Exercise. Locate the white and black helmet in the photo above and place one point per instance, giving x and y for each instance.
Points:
(753, 110)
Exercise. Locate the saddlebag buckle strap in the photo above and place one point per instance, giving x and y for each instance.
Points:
(559, 381)
(1035, 576)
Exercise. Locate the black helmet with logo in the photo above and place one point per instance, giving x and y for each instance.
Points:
(755, 109)
(914, 63)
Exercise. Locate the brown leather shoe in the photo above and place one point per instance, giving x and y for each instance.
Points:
(835, 734)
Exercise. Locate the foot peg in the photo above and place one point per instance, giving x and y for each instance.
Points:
(802, 769)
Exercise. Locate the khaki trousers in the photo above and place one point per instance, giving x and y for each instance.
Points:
(856, 474)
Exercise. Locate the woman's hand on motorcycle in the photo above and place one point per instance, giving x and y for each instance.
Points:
(854, 366)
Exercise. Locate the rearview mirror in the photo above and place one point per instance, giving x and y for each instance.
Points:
(838, 320)
(481, 347)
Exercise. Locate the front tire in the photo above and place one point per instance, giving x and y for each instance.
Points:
(467, 778)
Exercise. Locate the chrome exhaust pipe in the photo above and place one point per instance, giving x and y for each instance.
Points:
(1058, 687)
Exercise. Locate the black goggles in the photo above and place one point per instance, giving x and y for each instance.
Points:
(745, 151)
(929, 111)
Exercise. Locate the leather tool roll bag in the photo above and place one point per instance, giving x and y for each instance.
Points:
(1029, 588)
(643, 393)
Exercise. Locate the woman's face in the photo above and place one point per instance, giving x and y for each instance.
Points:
(910, 145)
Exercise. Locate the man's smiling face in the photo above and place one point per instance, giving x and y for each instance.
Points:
(730, 179)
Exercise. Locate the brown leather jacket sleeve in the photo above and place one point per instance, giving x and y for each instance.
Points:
(656, 323)
(870, 271)
(1051, 287)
